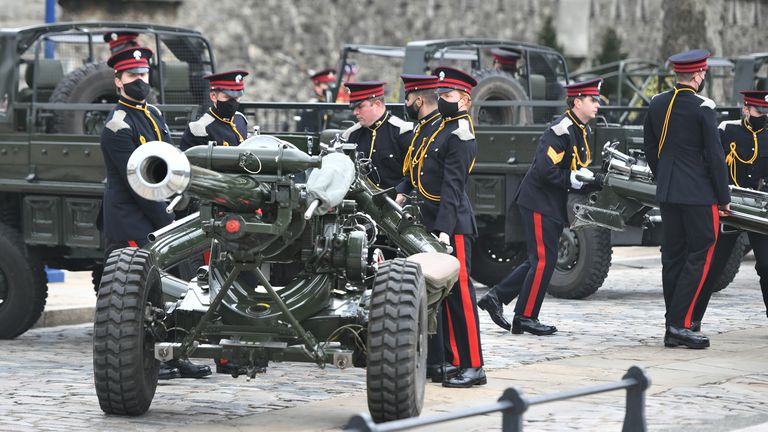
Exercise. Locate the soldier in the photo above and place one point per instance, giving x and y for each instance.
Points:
(442, 164)
(380, 136)
(222, 123)
(420, 105)
(127, 218)
(745, 143)
(321, 84)
(559, 164)
(683, 150)
(505, 60)
(120, 40)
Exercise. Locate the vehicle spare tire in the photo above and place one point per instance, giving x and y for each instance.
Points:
(90, 83)
(493, 85)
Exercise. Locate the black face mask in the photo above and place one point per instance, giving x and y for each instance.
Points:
(137, 90)
(412, 111)
(227, 109)
(701, 86)
(447, 109)
(758, 122)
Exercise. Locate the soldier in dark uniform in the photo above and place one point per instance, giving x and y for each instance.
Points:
(127, 218)
(559, 165)
(321, 86)
(745, 143)
(380, 136)
(441, 164)
(683, 150)
(421, 106)
(222, 123)
(120, 40)
(505, 60)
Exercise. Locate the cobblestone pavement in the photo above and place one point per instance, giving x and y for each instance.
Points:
(47, 383)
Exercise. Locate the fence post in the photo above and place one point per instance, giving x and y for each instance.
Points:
(634, 417)
(361, 423)
(512, 418)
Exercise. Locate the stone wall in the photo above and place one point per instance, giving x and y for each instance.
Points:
(281, 41)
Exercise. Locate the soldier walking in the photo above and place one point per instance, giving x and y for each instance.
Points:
(683, 150)
(559, 165)
(745, 143)
(222, 123)
(127, 218)
(380, 136)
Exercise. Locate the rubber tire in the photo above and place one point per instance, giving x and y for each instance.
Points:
(740, 249)
(124, 367)
(90, 83)
(589, 270)
(397, 341)
(494, 85)
(489, 265)
(25, 283)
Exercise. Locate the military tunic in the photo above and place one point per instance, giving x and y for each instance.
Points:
(127, 217)
(542, 199)
(211, 127)
(683, 150)
(422, 133)
(746, 154)
(385, 143)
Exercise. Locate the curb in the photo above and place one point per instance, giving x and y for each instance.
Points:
(69, 316)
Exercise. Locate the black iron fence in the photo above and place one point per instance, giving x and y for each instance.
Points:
(512, 404)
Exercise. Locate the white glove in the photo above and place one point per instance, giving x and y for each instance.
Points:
(575, 183)
(586, 173)
(444, 238)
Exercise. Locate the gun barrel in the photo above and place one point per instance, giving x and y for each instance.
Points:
(261, 154)
(158, 171)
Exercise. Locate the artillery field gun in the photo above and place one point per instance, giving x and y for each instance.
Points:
(256, 212)
(629, 192)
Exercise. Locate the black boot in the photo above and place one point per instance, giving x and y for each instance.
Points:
(467, 378)
(435, 372)
(167, 372)
(695, 326)
(676, 336)
(224, 366)
(189, 369)
(491, 304)
(522, 324)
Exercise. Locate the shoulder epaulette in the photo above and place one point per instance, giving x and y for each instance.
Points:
(238, 113)
(401, 124)
(561, 128)
(155, 109)
(463, 131)
(345, 135)
(728, 122)
(706, 102)
(117, 121)
(197, 127)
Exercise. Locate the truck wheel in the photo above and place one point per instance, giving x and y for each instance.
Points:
(740, 249)
(90, 83)
(583, 259)
(493, 85)
(397, 341)
(124, 365)
(23, 285)
(492, 259)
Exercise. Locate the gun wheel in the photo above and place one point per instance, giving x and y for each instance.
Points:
(124, 366)
(397, 341)
(583, 260)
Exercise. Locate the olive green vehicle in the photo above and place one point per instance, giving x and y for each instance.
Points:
(55, 93)
(258, 211)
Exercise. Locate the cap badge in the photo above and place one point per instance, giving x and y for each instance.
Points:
(137, 54)
(113, 36)
(238, 78)
(599, 83)
(765, 98)
(441, 75)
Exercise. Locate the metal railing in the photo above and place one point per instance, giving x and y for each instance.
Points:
(512, 404)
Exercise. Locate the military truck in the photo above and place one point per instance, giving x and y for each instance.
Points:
(54, 95)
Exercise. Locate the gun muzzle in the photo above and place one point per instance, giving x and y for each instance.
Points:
(158, 170)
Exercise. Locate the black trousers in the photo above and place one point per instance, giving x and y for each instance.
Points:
(458, 335)
(723, 250)
(530, 279)
(690, 233)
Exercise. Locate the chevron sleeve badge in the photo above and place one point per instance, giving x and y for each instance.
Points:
(554, 156)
